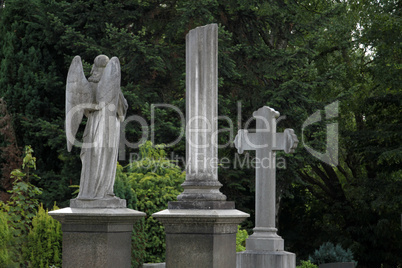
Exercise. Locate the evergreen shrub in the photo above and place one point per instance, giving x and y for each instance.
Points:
(44, 241)
(5, 237)
(328, 253)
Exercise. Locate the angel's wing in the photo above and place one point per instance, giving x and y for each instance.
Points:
(108, 90)
(78, 94)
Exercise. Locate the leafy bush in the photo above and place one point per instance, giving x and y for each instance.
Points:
(328, 253)
(122, 189)
(306, 264)
(148, 184)
(155, 180)
(29, 235)
(241, 237)
(44, 241)
(23, 203)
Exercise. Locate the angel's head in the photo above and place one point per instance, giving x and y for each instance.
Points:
(100, 63)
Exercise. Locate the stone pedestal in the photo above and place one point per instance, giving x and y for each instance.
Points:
(200, 237)
(96, 237)
(266, 259)
(265, 249)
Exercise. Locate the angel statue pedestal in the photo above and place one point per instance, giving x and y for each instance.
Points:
(97, 227)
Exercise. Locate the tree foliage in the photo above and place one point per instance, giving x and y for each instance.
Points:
(11, 153)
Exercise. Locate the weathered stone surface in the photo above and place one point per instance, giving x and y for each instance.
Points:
(265, 259)
(265, 241)
(201, 250)
(201, 238)
(96, 237)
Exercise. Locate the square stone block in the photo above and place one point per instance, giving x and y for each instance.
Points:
(265, 259)
(200, 250)
(96, 249)
(95, 237)
(200, 238)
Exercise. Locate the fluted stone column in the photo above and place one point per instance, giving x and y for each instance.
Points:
(201, 187)
(201, 226)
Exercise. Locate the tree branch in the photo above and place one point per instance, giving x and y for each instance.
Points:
(311, 180)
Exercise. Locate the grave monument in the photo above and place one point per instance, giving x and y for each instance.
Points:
(201, 226)
(265, 248)
(97, 227)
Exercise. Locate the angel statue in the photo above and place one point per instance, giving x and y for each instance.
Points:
(100, 99)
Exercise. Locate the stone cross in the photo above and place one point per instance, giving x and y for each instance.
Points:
(265, 141)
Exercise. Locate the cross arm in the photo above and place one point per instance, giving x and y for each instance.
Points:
(286, 141)
(245, 141)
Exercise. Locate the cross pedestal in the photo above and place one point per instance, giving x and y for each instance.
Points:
(265, 248)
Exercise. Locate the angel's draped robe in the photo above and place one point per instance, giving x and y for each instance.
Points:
(102, 134)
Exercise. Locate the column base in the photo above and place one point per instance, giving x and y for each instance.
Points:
(96, 237)
(265, 242)
(201, 189)
(199, 204)
(265, 259)
(200, 237)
